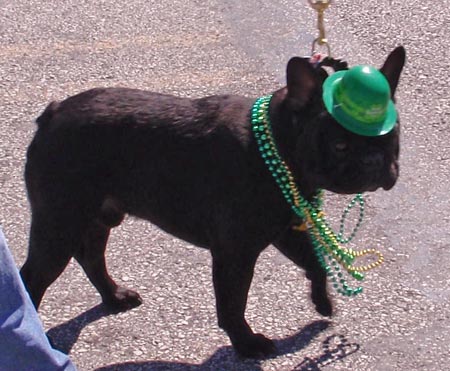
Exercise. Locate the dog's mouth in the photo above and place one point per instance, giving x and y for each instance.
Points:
(385, 182)
(389, 184)
(363, 182)
(384, 178)
(392, 175)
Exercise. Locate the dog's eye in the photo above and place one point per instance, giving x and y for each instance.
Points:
(341, 147)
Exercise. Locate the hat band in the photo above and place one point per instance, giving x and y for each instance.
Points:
(375, 114)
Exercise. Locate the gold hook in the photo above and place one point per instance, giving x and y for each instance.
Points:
(320, 6)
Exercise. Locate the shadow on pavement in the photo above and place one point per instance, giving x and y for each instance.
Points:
(335, 348)
(226, 359)
(64, 336)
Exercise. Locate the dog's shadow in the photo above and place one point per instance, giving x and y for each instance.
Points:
(335, 347)
(64, 336)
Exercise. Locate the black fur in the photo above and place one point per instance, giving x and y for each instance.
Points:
(192, 167)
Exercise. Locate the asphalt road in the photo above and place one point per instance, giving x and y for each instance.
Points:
(52, 49)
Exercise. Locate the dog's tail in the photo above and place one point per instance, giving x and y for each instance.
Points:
(44, 119)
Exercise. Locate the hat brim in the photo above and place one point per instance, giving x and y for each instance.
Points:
(350, 123)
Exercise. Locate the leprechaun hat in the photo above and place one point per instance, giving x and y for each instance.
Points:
(360, 100)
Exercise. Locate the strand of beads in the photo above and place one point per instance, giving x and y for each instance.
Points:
(327, 248)
(358, 198)
(264, 138)
(324, 240)
(269, 152)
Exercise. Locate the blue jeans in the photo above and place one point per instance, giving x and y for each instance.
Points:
(23, 344)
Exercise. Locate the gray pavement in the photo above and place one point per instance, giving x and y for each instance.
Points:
(52, 49)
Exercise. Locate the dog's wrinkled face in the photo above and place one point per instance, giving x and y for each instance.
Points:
(345, 162)
(326, 154)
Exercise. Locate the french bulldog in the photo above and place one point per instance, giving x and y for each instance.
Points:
(192, 167)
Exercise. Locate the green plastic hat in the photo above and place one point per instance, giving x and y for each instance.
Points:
(360, 100)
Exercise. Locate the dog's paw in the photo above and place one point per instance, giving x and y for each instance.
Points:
(255, 346)
(323, 305)
(123, 299)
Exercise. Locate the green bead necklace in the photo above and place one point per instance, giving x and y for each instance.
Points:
(330, 254)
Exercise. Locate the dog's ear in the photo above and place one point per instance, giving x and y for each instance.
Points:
(302, 81)
(393, 66)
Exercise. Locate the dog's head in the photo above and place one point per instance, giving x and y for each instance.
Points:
(321, 152)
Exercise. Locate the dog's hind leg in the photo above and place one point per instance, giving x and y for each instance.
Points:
(50, 249)
(54, 240)
(92, 259)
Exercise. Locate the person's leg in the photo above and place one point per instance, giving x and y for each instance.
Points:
(23, 344)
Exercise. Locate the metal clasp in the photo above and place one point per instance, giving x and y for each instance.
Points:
(320, 6)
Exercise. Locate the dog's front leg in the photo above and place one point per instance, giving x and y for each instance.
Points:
(232, 275)
(297, 246)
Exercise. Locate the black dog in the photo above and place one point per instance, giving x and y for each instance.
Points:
(192, 167)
